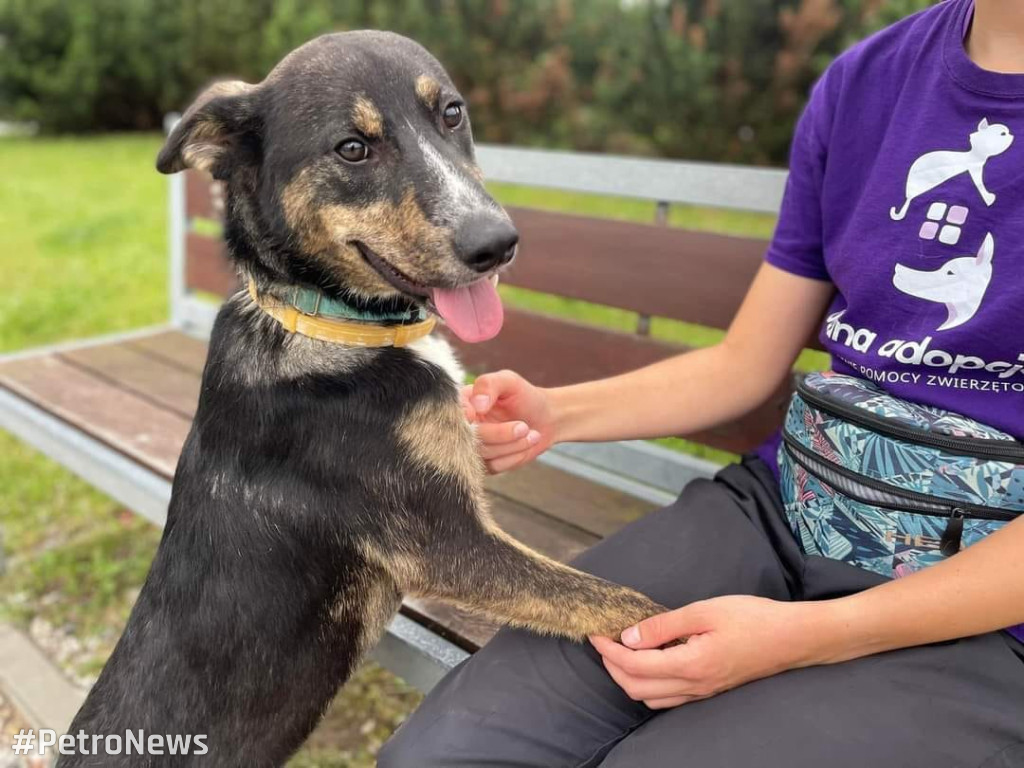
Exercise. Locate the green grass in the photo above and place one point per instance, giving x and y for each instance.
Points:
(83, 251)
(74, 558)
(83, 243)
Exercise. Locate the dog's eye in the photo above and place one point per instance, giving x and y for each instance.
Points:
(452, 115)
(353, 151)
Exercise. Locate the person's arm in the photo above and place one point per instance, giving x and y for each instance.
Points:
(979, 590)
(685, 394)
(734, 640)
(709, 386)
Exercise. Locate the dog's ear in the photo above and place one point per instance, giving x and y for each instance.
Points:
(220, 128)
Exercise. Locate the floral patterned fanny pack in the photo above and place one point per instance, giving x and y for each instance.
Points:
(888, 485)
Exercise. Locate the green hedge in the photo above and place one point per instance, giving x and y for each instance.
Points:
(705, 79)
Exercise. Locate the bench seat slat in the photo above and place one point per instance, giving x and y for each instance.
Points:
(145, 432)
(175, 348)
(166, 385)
(544, 532)
(455, 625)
(591, 507)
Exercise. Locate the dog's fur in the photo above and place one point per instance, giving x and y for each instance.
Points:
(320, 482)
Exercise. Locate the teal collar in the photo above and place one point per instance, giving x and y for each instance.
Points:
(311, 302)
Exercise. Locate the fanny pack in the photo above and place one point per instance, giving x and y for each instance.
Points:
(888, 485)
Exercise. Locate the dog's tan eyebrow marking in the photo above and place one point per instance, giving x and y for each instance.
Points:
(428, 90)
(367, 118)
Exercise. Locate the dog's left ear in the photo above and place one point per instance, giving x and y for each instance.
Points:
(219, 129)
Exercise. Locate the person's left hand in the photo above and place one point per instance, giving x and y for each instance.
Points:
(729, 641)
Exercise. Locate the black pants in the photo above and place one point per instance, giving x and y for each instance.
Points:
(525, 700)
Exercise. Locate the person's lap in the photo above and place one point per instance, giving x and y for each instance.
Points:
(949, 705)
(525, 700)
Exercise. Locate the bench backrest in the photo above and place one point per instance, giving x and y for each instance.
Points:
(653, 270)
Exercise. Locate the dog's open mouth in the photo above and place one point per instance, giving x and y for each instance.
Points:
(473, 312)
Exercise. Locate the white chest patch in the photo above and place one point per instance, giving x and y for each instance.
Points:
(437, 351)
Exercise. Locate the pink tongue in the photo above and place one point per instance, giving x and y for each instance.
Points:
(473, 312)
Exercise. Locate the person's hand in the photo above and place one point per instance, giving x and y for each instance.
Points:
(729, 641)
(513, 418)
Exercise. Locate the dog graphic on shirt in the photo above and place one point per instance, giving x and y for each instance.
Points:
(960, 283)
(936, 168)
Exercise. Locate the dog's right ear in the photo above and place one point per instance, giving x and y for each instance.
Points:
(218, 130)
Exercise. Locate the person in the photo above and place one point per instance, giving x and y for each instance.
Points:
(903, 163)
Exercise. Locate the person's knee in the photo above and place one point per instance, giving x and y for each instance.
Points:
(439, 734)
(402, 752)
(457, 741)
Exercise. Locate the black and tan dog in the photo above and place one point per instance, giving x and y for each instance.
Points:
(323, 481)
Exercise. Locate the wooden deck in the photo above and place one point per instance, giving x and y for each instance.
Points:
(138, 397)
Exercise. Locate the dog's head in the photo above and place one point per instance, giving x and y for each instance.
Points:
(351, 168)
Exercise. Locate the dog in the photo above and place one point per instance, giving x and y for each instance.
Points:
(936, 168)
(960, 283)
(322, 481)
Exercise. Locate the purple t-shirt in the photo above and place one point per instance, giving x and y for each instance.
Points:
(906, 191)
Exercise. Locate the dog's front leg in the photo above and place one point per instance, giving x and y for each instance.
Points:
(449, 547)
(486, 571)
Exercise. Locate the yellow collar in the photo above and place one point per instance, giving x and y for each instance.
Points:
(348, 332)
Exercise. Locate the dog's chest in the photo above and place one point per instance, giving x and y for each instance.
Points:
(437, 351)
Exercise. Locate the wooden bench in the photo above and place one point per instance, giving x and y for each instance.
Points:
(116, 410)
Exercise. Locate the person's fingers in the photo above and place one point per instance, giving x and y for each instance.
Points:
(505, 463)
(491, 387)
(671, 702)
(465, 393)
(666, 627)
(646, 663)
(502, 432)
(500, 450)
(643, 688)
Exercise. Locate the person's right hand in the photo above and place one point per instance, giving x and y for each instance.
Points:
(514, 419)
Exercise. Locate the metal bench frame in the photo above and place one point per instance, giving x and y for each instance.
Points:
(644, 470)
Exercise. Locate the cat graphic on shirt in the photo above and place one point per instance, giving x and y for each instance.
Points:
(935, 168)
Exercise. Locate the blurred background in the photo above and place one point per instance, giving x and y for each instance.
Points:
(84, 87)
(715, 80)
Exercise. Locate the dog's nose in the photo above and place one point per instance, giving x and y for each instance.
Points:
(484, 241)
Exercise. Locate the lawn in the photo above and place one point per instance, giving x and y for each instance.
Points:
(83, 238)
(83, 251)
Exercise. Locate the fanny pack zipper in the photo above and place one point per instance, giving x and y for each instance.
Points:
(1009, 451)
(889, 496)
